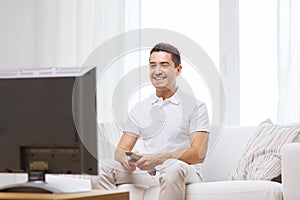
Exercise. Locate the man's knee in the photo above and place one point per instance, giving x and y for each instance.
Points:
(172, 170)
(173, 165)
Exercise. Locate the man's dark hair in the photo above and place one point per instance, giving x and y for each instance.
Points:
(170, 49)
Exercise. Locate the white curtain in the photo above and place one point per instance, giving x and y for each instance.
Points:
(289, 61)
(68, 30)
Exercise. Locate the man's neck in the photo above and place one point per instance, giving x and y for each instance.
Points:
(165, 94)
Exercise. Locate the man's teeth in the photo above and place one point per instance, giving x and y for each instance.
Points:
(158, 78)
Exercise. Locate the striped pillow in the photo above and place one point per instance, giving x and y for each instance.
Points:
(261, 158)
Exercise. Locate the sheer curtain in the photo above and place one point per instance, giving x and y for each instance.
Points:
(289, 61)
(67, 30)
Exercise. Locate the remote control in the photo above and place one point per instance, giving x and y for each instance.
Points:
(134, 157)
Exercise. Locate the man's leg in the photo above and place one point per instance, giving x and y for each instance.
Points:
(112, 174)
(173, 178)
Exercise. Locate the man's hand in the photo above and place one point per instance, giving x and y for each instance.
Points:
(127, 164)
(148, 162)
(126, 143)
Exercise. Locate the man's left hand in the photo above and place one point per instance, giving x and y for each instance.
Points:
(148, 162)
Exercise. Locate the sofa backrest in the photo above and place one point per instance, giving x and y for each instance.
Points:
(225, 150)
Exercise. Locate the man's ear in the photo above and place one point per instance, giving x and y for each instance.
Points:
(179, 68)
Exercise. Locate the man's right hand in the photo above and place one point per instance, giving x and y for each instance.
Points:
(127, 164)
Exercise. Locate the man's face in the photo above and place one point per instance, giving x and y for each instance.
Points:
(163, 72)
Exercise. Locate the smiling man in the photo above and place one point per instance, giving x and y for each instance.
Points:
(173, 127)
(163, 72)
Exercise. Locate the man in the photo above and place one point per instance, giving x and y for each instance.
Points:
(173, 127)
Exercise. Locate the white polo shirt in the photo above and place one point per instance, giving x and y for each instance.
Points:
(166, 125)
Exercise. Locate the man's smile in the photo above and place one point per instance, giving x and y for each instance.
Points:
(159, 78)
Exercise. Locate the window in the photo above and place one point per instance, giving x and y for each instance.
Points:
(246, 54)
(258, 61)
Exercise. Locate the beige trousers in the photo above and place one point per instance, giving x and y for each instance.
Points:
(172, 178)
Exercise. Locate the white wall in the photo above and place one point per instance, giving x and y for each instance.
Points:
(17, 33)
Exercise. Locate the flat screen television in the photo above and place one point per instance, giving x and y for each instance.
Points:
(48, 121)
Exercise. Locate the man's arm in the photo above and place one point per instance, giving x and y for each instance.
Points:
(192, 155)
(197, 152)
(126, 143)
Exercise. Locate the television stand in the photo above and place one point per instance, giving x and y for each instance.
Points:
(93, 195)
(54, 184)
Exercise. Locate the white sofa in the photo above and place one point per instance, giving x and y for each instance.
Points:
(225, 151)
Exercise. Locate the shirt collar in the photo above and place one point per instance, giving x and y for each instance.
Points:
(175, 99)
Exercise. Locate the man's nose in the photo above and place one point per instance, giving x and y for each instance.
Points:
(157, 69)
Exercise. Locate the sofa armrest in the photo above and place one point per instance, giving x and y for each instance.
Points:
(291, 171)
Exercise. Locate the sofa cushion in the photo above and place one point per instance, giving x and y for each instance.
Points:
(261, 158)
(234, 190)
(220, 190)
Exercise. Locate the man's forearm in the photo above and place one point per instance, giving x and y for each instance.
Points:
(194, 154)
(190, 155)
(119, 154)
(126, 143)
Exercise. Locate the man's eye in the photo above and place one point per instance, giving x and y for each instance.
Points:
(165, 66)
(152, 66)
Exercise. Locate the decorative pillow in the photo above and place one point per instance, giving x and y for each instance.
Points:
(297, 139)
(261, 158)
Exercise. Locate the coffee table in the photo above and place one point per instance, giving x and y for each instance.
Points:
(93, 195)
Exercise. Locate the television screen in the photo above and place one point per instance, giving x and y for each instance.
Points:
(48, 120)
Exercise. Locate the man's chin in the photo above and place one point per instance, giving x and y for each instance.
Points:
(161, 88)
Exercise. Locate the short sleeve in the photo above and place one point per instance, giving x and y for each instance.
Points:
(199, 120)
(132, 124)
